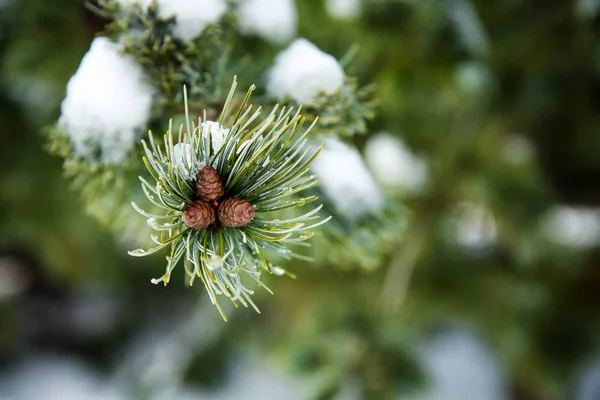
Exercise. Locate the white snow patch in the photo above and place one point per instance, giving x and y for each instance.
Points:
(460, 367)
(573, 226)
(186, 161)
(472, 77)
(191, 16)
(217, 132)
(344, 178)
(587, 8)
(469, 27)
(474, 226)
(588, 384)
(56, 378)
(142, 3)
(302, 71)
(274, 20)
(394, 165)
(343, 9)
(107, 101)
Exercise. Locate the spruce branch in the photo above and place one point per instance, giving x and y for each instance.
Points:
(360, 243)
(262, 161)
(105, 189)
(346, 112)
(200, 64)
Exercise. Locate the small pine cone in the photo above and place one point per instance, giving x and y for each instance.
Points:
(209, 186)
(198, 215)
(235, 212)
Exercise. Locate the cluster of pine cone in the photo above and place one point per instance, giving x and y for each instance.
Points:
(209, 208)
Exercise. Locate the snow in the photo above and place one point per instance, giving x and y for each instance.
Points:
(159, 368)
(588, 384)
(468, 25)
(217, 132)
(344, 178)
(107, 102)
(343, 9)
(302, 71)
(573, 226)
(277, 25)
(394, 165)
(250, 378)
(473, 77)
(183, 156)
(5, 3)
(191, 16)
(56, 378)
(587, 8)
(474, 226)
(185, 160)
(127, 3)
(460, 367)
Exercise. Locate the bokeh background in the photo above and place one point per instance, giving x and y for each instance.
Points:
(492, 292)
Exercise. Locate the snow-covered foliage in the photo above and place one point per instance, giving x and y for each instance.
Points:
(142, 3)
(588, 384)
(472, 77)
(183, 155)
(344, 178)
(191, 16)
(461, 367)
(5, 3)
(587, 8)
(275, 20)
(571, 226)
(217, 132)
(394, 165)
(302, 72)
(474, 227)
(107, 102)
(343, 9)
(56, 378)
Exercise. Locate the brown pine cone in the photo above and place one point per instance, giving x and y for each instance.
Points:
(209, 186)
(198, 215)
(235, 212)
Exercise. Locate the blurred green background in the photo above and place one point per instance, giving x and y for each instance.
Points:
(493, 290)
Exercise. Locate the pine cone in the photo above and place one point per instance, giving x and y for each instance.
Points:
(209, 186)
(198, 215)
(235, 212)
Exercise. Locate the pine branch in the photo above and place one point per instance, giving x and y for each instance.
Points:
(263, 161)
